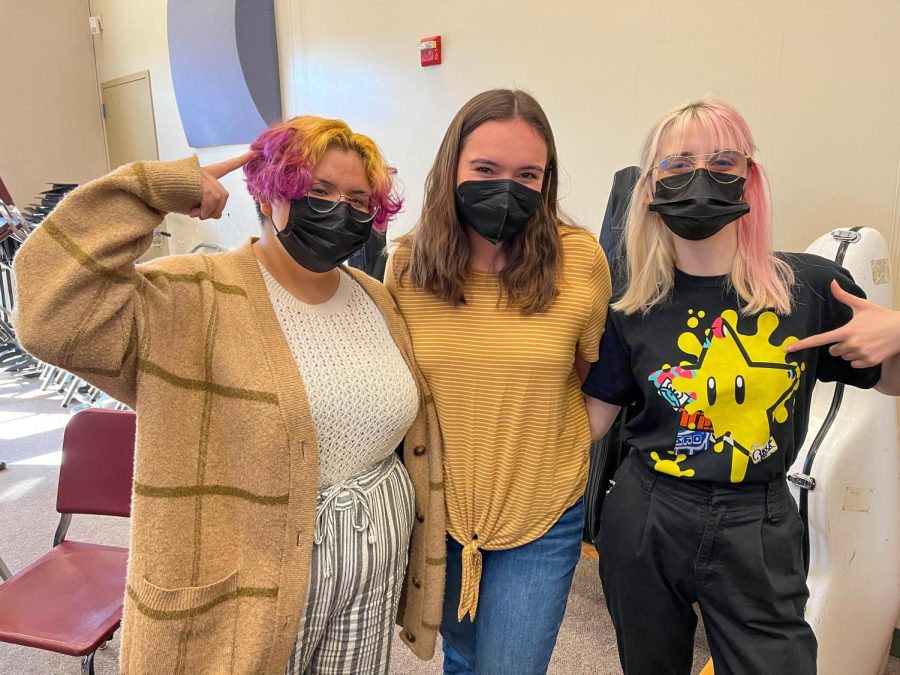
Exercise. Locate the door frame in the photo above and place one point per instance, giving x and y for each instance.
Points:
(125, 79)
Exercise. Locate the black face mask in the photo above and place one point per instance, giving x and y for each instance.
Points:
(322, 241)
(701, 208)
(497, 209)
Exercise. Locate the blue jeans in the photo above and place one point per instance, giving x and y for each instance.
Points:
(521, 603)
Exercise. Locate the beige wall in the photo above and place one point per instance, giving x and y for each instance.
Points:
(50, 127)
(819, 82)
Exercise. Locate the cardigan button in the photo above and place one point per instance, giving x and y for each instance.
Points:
(410, 636)
(419, 450)
(420, 516)
(416, 582)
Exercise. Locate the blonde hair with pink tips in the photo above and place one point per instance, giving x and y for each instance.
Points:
(761, 280)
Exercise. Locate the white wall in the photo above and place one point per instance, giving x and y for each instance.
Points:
(50, 128)
(819, 82)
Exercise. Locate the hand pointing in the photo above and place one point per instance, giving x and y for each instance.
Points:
(213, 195)
(870, 337)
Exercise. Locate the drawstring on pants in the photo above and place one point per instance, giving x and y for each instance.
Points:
(334, 498)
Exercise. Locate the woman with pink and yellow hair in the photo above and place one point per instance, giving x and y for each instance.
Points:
(275, 525)
(701, 344)
(320, 190)
(282, 166)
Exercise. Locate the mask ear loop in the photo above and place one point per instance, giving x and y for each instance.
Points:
(283, 232)
(750, 164)
(287, 225)
(271, 221)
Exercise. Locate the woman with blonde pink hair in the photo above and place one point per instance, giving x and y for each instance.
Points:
(274, 527)
(704, 342)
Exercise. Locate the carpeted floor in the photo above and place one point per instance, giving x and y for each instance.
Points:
(31, 426)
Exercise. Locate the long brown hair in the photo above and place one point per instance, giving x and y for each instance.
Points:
(439, 247)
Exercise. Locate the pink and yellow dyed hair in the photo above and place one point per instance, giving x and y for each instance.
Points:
(288, 152)
(761, 280)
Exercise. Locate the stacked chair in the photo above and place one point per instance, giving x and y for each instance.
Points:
(15, 226)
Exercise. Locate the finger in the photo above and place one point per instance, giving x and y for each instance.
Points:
(207, 208)
(847, 298)
(851, 347)
(215, 195)
(819, 340)
(839, 349)
(218, 197)
(220, 169)
(195, 212)
(863, 363)
(220, 204)
(223, 200)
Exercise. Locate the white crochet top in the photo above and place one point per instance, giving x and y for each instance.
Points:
(361, 394)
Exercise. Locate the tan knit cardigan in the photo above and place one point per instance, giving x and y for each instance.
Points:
(226, 468)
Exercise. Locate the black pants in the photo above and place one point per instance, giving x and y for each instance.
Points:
(666, 543)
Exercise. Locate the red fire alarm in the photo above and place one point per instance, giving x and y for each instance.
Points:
(430, 51)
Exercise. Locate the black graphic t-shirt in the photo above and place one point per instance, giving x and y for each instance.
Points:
(717, 397)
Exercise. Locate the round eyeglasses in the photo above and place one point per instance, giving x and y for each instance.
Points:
(325, 198)
(724, 166)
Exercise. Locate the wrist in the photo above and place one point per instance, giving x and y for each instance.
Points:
(170, 187)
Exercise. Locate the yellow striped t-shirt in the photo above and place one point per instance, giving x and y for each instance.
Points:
(508, 399)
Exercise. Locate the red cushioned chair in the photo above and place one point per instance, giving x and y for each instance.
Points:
(70, 600)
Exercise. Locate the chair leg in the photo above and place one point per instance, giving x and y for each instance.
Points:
(70, 392)
(62, 380)
(87, 664)
(45, 376)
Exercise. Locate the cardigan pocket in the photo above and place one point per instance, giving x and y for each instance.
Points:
(180, 630)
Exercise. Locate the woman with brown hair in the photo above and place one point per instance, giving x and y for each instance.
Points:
(504, 298)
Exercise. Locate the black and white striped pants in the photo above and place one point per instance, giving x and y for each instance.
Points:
(363, 527)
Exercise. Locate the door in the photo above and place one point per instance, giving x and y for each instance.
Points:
(131, 132)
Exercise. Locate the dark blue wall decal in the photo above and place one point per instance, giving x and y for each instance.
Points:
(224, 58)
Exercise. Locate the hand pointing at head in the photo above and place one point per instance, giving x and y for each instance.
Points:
(213, 195)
